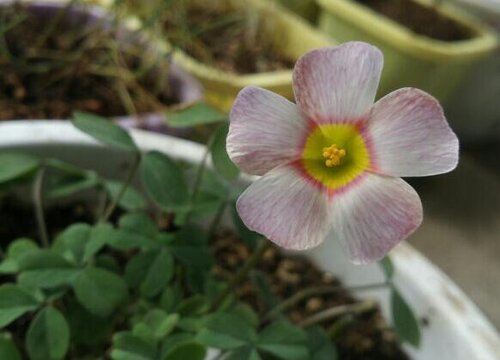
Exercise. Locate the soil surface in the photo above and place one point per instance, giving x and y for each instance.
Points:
(236, 41)
(361, 337)
(366, 336)
(421, 19)
(55, 62)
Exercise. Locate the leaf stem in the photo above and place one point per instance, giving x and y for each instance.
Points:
(334, 312)
(38, 205)
(313, 291)
(114, 203)
(241, 274)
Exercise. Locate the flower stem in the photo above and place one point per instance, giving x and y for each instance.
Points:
(241, 274)
(334, 312)
(313, 291)
(38, 204)
(114, 203)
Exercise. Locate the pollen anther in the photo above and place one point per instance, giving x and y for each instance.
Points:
(333, 155)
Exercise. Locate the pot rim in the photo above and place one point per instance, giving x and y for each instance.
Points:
(447, 302)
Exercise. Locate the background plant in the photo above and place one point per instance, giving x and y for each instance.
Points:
(55, 59)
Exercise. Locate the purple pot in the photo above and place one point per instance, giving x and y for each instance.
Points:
(183, 87)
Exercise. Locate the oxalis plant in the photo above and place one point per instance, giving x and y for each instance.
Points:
(129, 287)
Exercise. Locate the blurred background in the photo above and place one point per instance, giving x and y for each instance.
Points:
(151, 56)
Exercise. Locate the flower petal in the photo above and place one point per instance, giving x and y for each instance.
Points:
(265, 131)
(410, 135)
(374, 215)
(337, 84)
(286, 208)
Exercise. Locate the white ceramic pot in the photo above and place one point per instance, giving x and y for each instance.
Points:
(455, 330)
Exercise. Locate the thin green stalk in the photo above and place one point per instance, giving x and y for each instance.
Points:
(334, 312)
(314, 291)
(114, 203)
(38, 205)
(198, 177)
(217, 219)
(339, 326)
(241, 274)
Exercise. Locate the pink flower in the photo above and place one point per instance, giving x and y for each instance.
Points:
(332, 162)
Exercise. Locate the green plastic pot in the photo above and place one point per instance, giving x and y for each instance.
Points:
(292, 36)
(410, 59)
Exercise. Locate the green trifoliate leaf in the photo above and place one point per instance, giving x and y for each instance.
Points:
(405, 322)
(170, 297)
(127, 346)
(220, 158)
(15, 165)
(71, 243)
(212, 183)
(245, 312)
(17, 249)
(98, 238)
(182, 346)
(139, 223)
(99, 291)
(193, 115)
(104, 131)
(45, 269)
(86, 328)
(150, 271)
(245, 353)
(284, 340)
(164, 181)
(48, 336)
(190, 246)
(8, 350)
(193, 306)
(156, 325)
(131, 199)
(105, 234)
(189, 350)
(14, 303)
(320, 345)
(227, 331)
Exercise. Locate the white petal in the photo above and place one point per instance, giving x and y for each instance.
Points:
(338, 84)
(410, 135)
(286, 208)
(265, 131)
(375, 214)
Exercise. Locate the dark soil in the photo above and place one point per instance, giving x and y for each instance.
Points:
(226, 40)
(56, 61)
(18, 220)
(362, 337)
(421, 19)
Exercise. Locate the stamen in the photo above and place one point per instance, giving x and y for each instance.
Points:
(333, 155)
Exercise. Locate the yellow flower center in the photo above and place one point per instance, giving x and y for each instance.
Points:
(335, 154)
